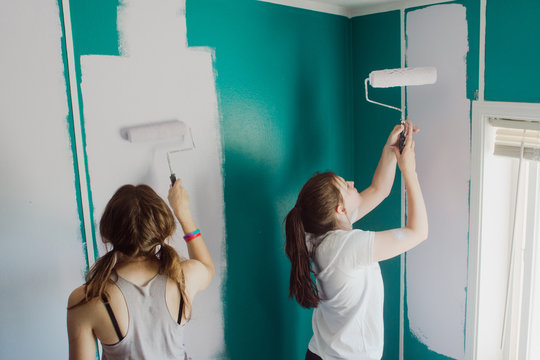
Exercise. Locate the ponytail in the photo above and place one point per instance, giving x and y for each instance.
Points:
(314, 213)
(169, 261)
(301, 286)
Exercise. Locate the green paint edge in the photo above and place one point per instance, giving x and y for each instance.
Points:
(71, 131)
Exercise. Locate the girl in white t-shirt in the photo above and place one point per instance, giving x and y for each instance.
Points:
(348, 293)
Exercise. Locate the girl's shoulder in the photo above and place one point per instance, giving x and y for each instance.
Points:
(79, 310)
(76, 296)
(345, 234)
(338, 241)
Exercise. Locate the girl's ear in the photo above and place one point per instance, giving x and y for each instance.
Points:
(340, 209)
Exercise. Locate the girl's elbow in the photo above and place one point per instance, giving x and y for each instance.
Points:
(211, 271)
(424, 235)
(385, 192)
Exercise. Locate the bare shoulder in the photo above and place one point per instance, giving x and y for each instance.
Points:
(76, 296)
(84, 309)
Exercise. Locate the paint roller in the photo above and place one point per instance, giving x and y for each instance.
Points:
(400, 77)
(161, 131)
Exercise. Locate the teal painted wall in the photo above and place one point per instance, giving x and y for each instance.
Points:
(283, 91)
(512, 51)
(376, 50)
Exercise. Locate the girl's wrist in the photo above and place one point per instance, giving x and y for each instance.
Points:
(408, 172)
(388, 148)
(187, 223)
(182, 213)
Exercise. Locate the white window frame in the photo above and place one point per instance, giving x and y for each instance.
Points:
(481, 112)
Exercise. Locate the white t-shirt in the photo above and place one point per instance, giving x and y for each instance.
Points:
(348, 322)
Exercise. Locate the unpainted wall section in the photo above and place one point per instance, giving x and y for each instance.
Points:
(42, 257)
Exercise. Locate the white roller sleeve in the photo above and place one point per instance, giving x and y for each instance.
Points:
(403, 77)
(156, 131)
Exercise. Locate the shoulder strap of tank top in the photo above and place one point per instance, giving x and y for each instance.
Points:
(111, 315)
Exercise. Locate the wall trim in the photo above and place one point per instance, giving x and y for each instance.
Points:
(482, 51)
(353, 11)
(513, 110)
(481, 111)
(77, 131)
(391, 6)
(312, 5)
(402, 257)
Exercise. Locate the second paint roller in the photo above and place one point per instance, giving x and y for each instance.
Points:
(161, 131)
(400, 77)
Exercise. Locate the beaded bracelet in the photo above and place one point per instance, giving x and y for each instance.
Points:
(193, 235)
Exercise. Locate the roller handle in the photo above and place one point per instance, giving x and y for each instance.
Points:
(402, 138)
(173, 179)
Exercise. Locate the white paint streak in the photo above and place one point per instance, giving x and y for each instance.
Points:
(42, 258)
(399, 234)
(437, 269)
(159, 78)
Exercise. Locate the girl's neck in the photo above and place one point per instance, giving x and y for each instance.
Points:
(138, 270)
(343, 223)
(139, 262)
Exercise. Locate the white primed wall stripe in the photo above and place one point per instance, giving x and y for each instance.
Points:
(81, 160)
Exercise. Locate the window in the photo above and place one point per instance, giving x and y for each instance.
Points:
(504, 243)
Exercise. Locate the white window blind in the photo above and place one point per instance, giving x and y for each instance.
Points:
(512, 135)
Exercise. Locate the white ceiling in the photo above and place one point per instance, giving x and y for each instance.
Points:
(351, 8)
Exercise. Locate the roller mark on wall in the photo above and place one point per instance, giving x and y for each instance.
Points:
(437, 36)
(157, 78)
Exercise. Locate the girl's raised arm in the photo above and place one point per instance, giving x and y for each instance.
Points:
(390, 243)
(199, 269)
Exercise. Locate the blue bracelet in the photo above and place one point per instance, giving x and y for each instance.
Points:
(189, 236)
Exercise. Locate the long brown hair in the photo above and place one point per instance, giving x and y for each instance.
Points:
(313, 213)
(136, 222)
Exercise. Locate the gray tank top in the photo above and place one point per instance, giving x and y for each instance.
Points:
(152, 332)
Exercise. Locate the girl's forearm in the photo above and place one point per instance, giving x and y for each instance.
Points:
(383, 179)
(197, 247)
(416, 209)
